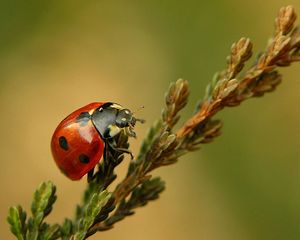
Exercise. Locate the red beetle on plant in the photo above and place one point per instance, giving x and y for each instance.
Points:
(79, 140)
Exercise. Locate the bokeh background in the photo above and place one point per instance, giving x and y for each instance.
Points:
(56, 56)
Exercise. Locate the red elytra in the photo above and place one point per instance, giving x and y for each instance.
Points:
(77, 147)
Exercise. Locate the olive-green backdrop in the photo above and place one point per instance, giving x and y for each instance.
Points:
(56, 56)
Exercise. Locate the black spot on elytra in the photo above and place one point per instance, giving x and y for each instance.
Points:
(84, 158)
(63, 143)
(83, 118)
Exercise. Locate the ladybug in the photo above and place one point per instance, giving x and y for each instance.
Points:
(78, 142)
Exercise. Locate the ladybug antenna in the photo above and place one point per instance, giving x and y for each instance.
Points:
(140, 120)
(138, 109)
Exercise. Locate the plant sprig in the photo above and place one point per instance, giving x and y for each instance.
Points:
(230, 89)
(164, 145)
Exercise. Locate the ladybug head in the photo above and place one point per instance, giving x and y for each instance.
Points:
(110, 118)
(125, 118)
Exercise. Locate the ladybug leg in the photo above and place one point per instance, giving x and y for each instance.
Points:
(118, 149)
(90, 175)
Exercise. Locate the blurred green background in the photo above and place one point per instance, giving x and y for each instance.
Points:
(56, 56)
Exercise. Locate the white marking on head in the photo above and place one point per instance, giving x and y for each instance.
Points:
(123, 119)
(126, 111)
(113, 130)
